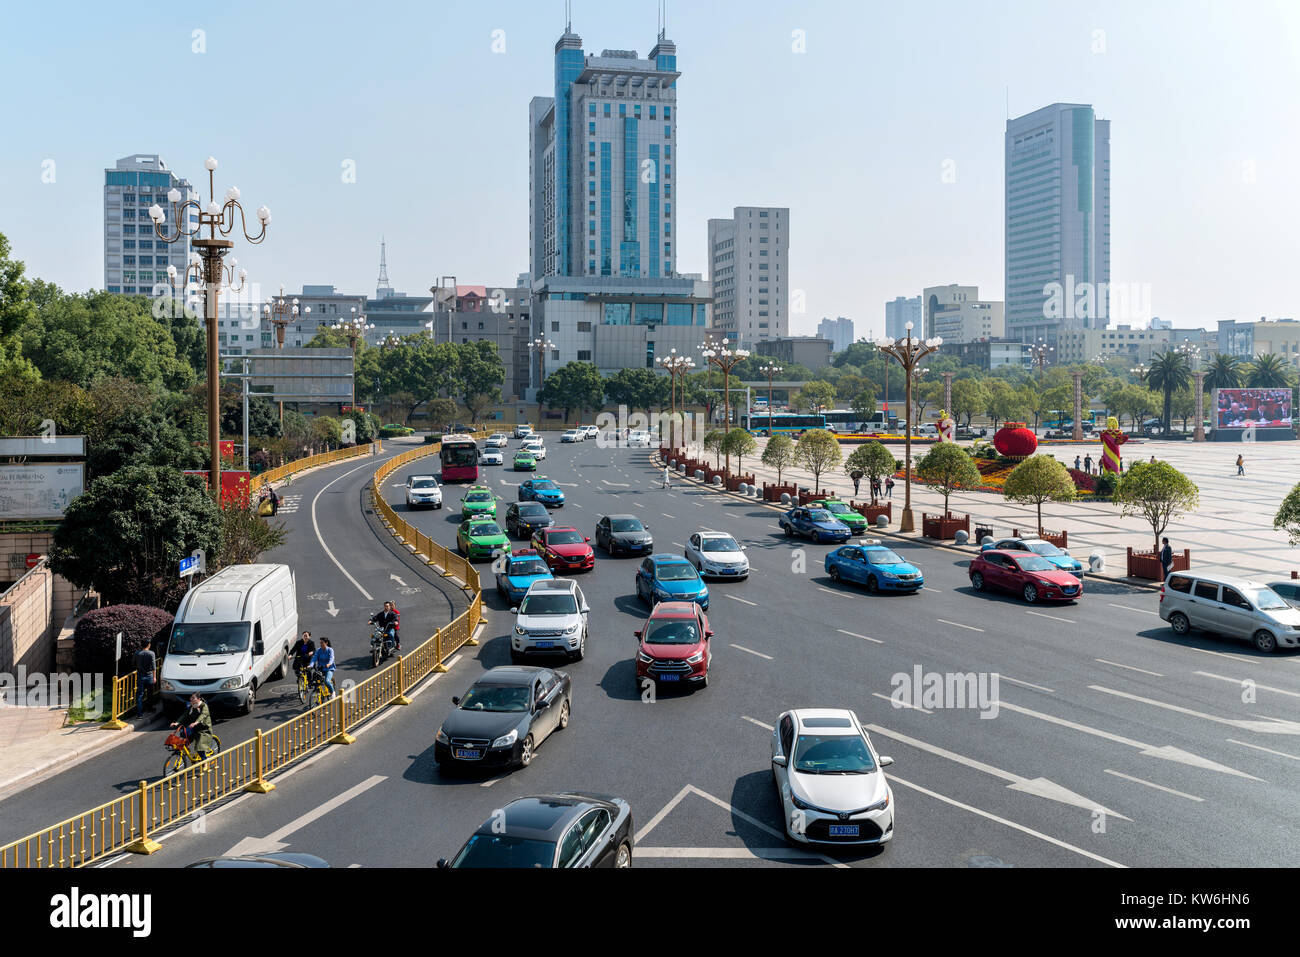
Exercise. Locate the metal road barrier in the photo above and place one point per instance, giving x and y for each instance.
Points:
(126, 823)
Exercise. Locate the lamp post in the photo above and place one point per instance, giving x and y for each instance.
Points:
(280, 312)
(541, 345)
(770, 370)
(355, 330)
(1077, 435)
(725, 358)
(219, 218)
(947, 391)
(909, 352)
(677, 366)
(1199, 434)
(1040, 353)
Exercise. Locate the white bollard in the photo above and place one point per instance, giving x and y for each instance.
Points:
(882, 521)
(785, 498)
(960, 537)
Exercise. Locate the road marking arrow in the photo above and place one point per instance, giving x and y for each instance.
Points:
(1271, 726)
(275, 840)
(393, 577)
(331, 609)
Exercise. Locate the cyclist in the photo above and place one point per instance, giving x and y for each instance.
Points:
(388, 619)
(196, 725)
(324, 660)
(302, 651)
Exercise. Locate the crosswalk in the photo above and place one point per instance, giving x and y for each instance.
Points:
(289, 504)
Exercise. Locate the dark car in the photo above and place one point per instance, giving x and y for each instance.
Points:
(276, 859)
(814, 523)
(623, 533)
(552, 830)
(524, 518)
(503, 717)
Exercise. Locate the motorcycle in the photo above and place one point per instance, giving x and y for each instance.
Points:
(382, 644)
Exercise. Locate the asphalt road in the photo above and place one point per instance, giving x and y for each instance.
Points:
(1099, 706)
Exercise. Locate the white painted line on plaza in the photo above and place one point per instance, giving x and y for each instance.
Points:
(615, 484)
(1001, 820)
(768, 727)
(745, 600)
(1261, 727)
(1039, 614)
(1158, 787)
(957, 624)
(837, 594)
(1257, 747)
(1140, 611)
(321, 539)
(1238, 681)
(854, 634)
(752, 651)
(928, 588)
(577, 505)
(1027, 684)
(900, 704)
(275, 840)
(638, 505)
(1154, 674)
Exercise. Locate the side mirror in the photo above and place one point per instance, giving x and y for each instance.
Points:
(258, 648)
(442, 863)
(455, 700)
(779, 760)
(638, 635)
(885, 761)
(586, 539)
(514, 611)
(586, 608)
(708, 634)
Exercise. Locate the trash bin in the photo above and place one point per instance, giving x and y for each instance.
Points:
(981, 531)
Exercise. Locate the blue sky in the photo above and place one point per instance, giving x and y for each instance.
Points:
(851, 135)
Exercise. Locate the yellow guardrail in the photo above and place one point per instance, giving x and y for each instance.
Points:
(126, 822)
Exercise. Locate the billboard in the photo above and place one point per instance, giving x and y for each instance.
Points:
(1240, 409)
(39, 491)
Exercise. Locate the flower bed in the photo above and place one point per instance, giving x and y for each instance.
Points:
(994, 474)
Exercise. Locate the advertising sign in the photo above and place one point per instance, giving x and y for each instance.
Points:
(39, 491)
(1260, 408)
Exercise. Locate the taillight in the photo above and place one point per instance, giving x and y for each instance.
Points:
(1162, 592)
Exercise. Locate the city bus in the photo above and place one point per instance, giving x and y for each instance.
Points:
(782, 422)
(459, 458)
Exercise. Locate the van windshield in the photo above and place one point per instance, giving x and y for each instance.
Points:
(1268, 600)
(210, 638)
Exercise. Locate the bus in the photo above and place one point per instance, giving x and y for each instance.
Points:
(782, 422)
(459, 458)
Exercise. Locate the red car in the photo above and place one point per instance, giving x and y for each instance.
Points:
(1029, 575)
(674, 646)
(564, 548)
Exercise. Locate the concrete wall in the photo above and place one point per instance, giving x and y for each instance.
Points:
(33, 609)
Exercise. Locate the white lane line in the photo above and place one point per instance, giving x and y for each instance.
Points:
(1154, 674)
(321, 539)
(1140, 611)
(489, 782)
(752, 651)
(577, 505)
(854, 634)
(1028, 685)
(745, 717)
(1220, 654)
(1237, 681)
(663, 813)
(900, 703)
(957, 624)
(1158, 787)
(837, 594)
(1039, 614)
(678, 545)
(638, 505)
(1261, 727)
(666, 515)
(745, 600)
(928, 588)
(1001, 820)
(1259, 747)
(730, 853)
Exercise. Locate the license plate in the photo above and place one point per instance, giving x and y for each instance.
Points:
(545, 644)
(670, 677)
(844, 830)
(468, 754)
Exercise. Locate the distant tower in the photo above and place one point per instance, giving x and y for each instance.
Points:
(383, 290)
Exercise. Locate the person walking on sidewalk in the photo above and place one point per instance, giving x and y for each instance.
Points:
(146, 666)
(1241, 465)
(666, 484)
(1166, 557)
(275, 501)
(1087, 463)
(889, 487)
(1078, 463)
(857, 481)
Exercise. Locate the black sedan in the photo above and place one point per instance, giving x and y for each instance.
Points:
(524, 518)
(623, 533)
(552, 830)
(503, 717)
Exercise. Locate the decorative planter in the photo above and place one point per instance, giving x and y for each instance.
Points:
(1015, 441)
(1059, 539)
(872, 512)
(1146, 564)
(735, 481)
(943, 527)
(773, 492)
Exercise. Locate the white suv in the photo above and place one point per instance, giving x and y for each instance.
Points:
(536, 445)
(590, 432)
(522, 431)
(639, 439)
(423, 491)
(552, 619)
(573, 435)
(497, 440)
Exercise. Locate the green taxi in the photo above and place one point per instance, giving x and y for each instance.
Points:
(857, 524)
(525, 462)
(481, 538)
(478, 502)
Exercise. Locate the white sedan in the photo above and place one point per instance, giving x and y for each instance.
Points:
(535, 446)
(491, 457)
(717, 555)
(639, 439)
(497, 440)
(830, 779)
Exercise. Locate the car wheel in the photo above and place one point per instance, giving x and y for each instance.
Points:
(1265, 642)
(789, 532)
(248, 706)
(977, 581)
(582, 649)
(526, 752)
(1031, 594)
(282, 670)
(704, 682)
(1179, 623)
(872, 585)
(564, 716)
(624, 856)
(835, 573)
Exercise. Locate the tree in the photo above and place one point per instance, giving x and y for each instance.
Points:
(818, 451)
(263, 415)
(948, 466)
(713, 442)
(126, 534)
(924, 394)
(739, 442)
(245, 535)
(1004, 403)
(442, 411)
(815, 396)
(325, 430)
(1183, 406)
(1169, 372)
(16, 310)
(480, 375)
(1288, 516)
(1039, 479)
(141, 438)
(864, 403)
(1225, 371)
(1158, 492)
(968, 398)
(636, 389)
(703, 388)
(1269, 371)
(573, 386)
(849, 385)
(874, 461)
(1133, 401)
(779, 454)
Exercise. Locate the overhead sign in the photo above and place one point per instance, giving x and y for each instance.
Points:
(48, 446)
(39, 491)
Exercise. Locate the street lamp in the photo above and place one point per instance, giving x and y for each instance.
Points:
(1040, 353)
(280, 312)
(725, 358)
(677, 367)
(909, 352)
(541, 345)
(218, 218)
(770, 370)
(354, 329)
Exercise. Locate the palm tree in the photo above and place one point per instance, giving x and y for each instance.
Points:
(1269, 371)
(1225, 371)
(1169, 372)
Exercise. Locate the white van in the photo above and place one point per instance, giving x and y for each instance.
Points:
(232, 634)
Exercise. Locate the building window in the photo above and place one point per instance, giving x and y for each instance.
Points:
(584, 327)
(622, 109)
(668, 112)
(555, 327)
(591, 109)
(555, 353)
(591, 266)
(668, 190)
(607, 109)
(591, 168)
(668, 131)
(652, 111)
(591, 128)
(584, 355)
(649, 354)
(591, 208)
(591, 149)
(636, 111)
(668, 172)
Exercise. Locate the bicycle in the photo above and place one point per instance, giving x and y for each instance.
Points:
(303, 682)
(317, 690)
(181, 755)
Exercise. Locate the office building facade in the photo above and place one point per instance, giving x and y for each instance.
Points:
(135, 259)
(899, 313)
(749, 268)
(956, 314)
(839, 331)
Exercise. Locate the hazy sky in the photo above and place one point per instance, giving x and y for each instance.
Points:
(852, 134)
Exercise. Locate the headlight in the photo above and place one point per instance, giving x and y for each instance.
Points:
(235, 682)
(885, 574)
(696, 658)
(520, 630)
(1046, 584)
(880, 805)
(167, 685)
(506, 740)
(642, 657)
(801, 805)
(662, 593)
(572, 629)
(441, 737)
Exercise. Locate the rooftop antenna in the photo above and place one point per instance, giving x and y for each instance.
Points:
(382, 286)
(568, 16)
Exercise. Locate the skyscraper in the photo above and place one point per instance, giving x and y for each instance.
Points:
(899, 313)
(839, 331)
(135, 260)
(749, 269)
(1057, 221)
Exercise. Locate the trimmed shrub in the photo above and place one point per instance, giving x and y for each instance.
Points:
(1106, 483)
(96, 636)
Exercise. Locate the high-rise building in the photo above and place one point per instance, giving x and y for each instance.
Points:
(135, 259)
(1057, 222)
(839, 331)
(956, 314)
(749, 267)
(899, 313)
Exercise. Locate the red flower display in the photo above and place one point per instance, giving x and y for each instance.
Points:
(1015, 441)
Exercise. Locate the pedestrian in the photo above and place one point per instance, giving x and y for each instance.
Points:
(875, 488)
(1087, 463)
(146, 668)
(1077, 463)
(275, 501)
(1153, 460)
(1166, 558)
(857, 481)
(889, 487)
(1241, 465)
(666, 482)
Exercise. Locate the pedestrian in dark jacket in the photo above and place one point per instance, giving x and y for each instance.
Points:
(1166, 558)
(1087, 463)
(889, 487)
(146, 667)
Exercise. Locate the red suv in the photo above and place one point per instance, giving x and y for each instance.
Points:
(674, 645)
(564, 548)
(1028, 575)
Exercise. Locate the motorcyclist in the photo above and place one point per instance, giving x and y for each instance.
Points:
(196, 725)
(388, 619)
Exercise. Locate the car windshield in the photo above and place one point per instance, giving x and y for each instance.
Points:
(496, 698)
(545, 485)
(883, 556)
(210, 638)
(832, 754)
(820, 515)
(564, 538)
(502, 850)
(673, 631)
(837, 508)
(523, 455)
(479, 497)
(727, 544)
(1268, 600)
(1034, 563)
(549, 603)
(676, 572)
(529, 566)
(625, 525)
(1046, 549)
(482, 529)
(424, 483)
(532, 510)
(460, 456)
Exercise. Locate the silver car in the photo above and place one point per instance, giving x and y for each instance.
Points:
(552, 619)
(717, 555)
(1236, 607)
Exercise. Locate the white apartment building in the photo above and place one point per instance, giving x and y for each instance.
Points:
(135, 259)
(958, 315)
(899, 313)
(839, 331)
(749, 269)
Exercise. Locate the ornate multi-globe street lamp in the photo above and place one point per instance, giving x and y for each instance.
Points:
(909, 352)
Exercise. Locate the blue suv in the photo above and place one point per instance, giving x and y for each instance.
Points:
(666, 577)
(542, 490)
